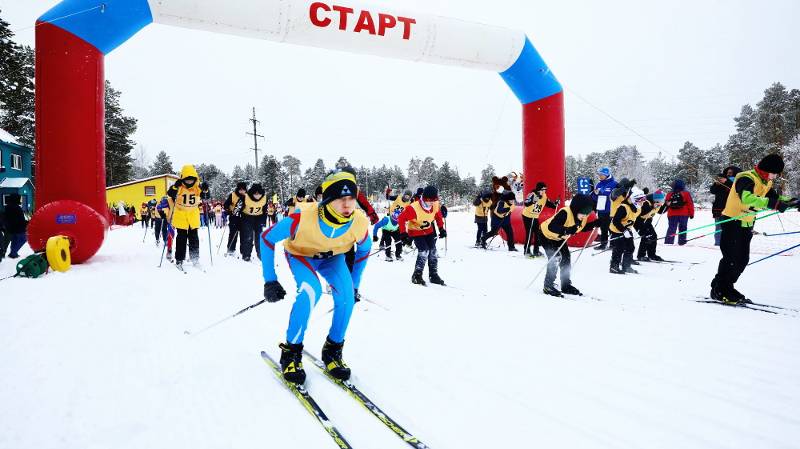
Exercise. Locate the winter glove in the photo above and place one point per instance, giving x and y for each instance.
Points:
(273, 291)
(374, 238)
(443, 233)
(781, 207)
(373, 218)
(570, 230)
(406, 239)
(773, 202)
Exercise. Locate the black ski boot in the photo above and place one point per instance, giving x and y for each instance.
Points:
(332, 358)
(552, 291)
(512, 249)
(483, 243)
(292, 363)
(616, 270)
(356, 295)
(657, 258)
(435, 279)
(630, 270)
(643, 259)
(416, 278)
(569, 289)
(246, 258)
(635, 262)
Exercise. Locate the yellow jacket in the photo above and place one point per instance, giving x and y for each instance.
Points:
(186, 200)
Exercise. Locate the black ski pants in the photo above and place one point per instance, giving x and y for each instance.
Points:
(605, 222)
(622, 250)
(532, 229)
(649, 239)
(555, 261)
(187, 236)
(386, 242)
(234, 229)
(735, 246)
(252, 226)
(426, 252)
(505, 225)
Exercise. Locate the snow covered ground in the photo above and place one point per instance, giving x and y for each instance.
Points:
(97, 357)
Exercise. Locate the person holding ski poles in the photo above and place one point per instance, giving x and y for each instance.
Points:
(720, 189)
(751, 190)
(555, 231)
(535, 203)
(317, 236)
(185, 195)
(234, 204)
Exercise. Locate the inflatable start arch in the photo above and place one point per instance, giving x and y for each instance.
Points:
(73, 38)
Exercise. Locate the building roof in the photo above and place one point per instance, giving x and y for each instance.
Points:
(14, 183)
(167, 175)
(5, 136)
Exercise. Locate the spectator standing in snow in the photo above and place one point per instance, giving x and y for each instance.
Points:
(720, 189)
(15, 227)
(602, 199)
(680, 209)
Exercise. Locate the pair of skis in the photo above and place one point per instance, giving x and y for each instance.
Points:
(766, 308)
(305, 398)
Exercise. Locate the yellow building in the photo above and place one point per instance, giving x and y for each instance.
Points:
(135, 193)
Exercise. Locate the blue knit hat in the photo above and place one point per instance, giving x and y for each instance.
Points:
(659, 196)
(605, 171)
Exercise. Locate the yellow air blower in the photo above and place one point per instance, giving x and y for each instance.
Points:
(58, 254)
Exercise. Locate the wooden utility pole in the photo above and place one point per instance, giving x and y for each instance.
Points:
(255, 135)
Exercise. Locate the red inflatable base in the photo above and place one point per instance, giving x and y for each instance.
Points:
(85, 228)
(518, 226)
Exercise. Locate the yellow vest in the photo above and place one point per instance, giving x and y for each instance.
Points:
(510, 206)
(234, 201)
(734, 207)
(398, 203)
(425, 219)
(309, 241)
(630, 217)
(187, 214)
(535, 209)
(570, 221)
(482, 210)
(253, 207)
(650, 214)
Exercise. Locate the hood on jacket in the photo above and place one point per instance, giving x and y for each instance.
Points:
(188, 171)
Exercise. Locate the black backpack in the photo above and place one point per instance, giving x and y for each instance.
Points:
(676, 200)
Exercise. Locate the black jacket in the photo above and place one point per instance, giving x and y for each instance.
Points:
(14, 219)
(720, 192)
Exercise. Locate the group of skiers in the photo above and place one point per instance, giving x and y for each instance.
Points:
(622, 208)
(326, 234)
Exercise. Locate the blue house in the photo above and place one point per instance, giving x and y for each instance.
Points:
(15, 171)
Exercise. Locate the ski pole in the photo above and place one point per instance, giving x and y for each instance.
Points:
(700, 227)
(217, 323)
(584, 247)
(704, 235)
(169, 225)
(782, 233)
(557, 253)
(146, 229)
(208, 228)
(221, 239)
(775, 254)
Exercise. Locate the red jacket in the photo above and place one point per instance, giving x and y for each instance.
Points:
(688, 206)
(409, 214)
(363, 201)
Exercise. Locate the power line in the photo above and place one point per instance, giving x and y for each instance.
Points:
(255, 135)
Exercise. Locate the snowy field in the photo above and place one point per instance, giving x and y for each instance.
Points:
(97, 358)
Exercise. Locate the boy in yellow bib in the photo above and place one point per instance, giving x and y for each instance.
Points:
(416, 224)
(317, 236)
(555, 230)
(254, 218)
(185, 196)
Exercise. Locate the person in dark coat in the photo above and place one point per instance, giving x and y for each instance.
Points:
(15, 227)
(720, 189)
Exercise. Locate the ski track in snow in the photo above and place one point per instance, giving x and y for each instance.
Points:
(96, 358)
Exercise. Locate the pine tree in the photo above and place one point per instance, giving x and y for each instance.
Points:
(119, 129)
(314, 176)
(486, 177)
(293, 174)
(238, 174)
(141, 163)
(162, 165)
(413, 173)
(17, 96)
(342, 163)
(690, 162)
(270, 174)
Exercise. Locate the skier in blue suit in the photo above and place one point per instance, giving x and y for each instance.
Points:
(602, 199)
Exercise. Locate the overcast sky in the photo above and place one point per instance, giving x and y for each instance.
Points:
(673, 71)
